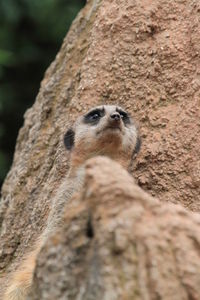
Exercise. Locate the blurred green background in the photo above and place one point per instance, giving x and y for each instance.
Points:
(31, 33)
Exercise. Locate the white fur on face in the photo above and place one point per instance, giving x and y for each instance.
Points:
(89, 134)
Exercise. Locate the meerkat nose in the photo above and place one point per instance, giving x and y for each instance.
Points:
(115, 116)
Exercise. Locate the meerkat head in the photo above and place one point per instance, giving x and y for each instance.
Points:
(104, 130)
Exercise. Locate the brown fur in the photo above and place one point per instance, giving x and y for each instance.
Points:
(22, 278)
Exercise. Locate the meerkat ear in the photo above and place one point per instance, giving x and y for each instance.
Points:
(137, 146)
(69, 139)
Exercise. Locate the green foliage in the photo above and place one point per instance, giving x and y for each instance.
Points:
(31, 33)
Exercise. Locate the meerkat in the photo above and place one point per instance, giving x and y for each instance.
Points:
(106, 130)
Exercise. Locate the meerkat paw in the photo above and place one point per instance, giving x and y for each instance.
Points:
(20, 284)
(19, 288)
(21, 280)
(15, 292)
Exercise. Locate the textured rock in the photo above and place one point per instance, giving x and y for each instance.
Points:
(119, 243)
(143, 55)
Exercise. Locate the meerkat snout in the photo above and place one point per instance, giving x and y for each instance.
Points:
(115, 116)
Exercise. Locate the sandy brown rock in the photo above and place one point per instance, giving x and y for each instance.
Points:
(143, 55)
(119, 243)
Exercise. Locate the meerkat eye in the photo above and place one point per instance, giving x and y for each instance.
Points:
(125, 117)
(94, 116)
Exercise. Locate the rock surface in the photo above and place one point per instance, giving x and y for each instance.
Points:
(143, 55)
(119, 243)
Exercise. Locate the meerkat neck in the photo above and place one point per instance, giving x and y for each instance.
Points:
(76, 171)
(78, 160)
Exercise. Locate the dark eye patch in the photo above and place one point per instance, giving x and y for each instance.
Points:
(94, 116)
(124, 115)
